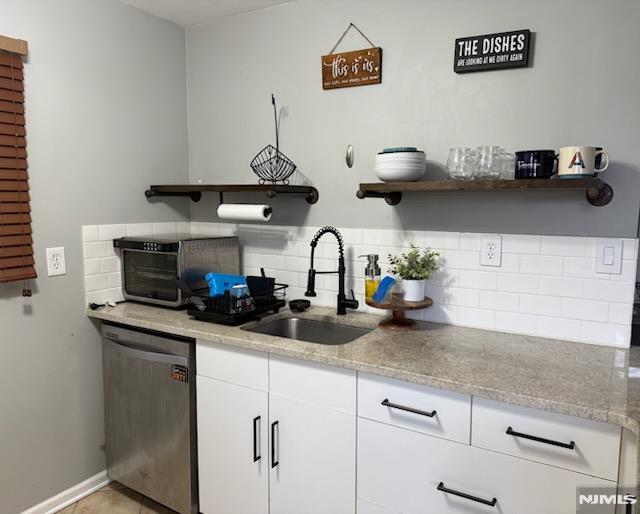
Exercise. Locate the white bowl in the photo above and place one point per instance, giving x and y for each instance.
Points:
(400, 173)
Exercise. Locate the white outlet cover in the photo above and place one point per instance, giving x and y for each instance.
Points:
(609, 256)
(491, 250)
(56, 264)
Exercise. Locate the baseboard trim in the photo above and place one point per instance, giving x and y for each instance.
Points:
(71, 495)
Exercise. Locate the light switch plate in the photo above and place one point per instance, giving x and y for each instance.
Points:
(491, 250)
(56, 264)
(609, 256)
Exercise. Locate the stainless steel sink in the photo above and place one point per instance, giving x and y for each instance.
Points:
(313, 331)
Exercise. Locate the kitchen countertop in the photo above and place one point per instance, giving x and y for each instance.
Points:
(594, 382)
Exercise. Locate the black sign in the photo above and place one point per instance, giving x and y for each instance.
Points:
(492, 52)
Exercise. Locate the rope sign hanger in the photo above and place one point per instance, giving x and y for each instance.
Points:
(348, 69)
(351, 25)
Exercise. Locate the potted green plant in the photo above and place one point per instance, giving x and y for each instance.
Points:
(414, 267)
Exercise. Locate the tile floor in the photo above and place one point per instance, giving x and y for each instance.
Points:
(116, 499)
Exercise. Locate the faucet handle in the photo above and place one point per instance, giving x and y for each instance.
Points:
(353, 296)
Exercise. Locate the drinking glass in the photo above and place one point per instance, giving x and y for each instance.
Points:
(489, 163)
(457, 164)
(508, 165)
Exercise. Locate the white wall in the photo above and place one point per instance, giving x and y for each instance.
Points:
(105, 107)
(581, 89)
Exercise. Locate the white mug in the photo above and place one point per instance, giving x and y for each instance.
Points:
(580, 161)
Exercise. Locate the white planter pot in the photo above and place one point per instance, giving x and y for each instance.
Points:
(413, 290)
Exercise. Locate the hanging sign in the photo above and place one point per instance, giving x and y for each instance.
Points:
(348, 69)
(492, 51)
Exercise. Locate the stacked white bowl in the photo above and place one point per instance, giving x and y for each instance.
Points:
(400, 164)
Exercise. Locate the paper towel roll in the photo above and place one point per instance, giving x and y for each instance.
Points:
(244, 212)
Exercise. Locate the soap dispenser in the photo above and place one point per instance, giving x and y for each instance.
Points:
(371, 276)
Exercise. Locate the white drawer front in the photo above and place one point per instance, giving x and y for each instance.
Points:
(595, 445)
(383, 399)
(325, 386)
(400, 471)
(234, 365)
(364, 507)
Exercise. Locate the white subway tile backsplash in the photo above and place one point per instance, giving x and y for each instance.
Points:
(515, 322)
(558, 328)
(114, 279)
(89, 233)
(517, 243)
(109, 264)
(111, 232)
(620, 313)
(512, 283)
(96, 282)
(469, 241)
(630, 249)
(564, 246)
(458, 259)
(477, 279)
(560, 286)
(476, 318)
(139, 229)
(609, 291)
(584, 267)
(541, 264)
(91, 266)
(546, 285)
(164, 229)
(589, 310)
(441, 314)
(462, 297)
(543, 305)
(605, 333)
(95, 249)
(499, 301)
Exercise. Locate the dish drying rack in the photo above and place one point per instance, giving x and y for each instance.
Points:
(266, 297)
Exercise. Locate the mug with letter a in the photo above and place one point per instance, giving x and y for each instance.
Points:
(581, 161)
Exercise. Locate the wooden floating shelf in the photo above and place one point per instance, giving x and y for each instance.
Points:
(194, 191)
(598, 192)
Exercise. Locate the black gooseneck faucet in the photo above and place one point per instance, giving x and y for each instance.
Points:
(344, 303)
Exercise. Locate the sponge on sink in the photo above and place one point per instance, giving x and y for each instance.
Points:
(385, 285)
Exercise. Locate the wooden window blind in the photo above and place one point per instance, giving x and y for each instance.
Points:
(16, 253)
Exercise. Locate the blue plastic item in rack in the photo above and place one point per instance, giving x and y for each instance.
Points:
(221, 282)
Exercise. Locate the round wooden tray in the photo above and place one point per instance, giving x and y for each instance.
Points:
(398, 306)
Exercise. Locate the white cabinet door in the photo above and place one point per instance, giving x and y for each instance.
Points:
(413, 473)
(233, 456)
(314, 457)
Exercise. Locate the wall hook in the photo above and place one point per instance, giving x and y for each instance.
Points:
(349, 156)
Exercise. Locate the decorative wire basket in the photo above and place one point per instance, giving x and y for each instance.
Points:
(271, 165)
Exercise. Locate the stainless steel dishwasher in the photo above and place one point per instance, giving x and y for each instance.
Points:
(150, 423)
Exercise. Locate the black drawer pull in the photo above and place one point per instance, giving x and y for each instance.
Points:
(491, 503)
(570, 446)
(387, 403)
(256, 457)
(274, 462)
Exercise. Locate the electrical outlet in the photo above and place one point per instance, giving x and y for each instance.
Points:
(56, 264)
(491, 250)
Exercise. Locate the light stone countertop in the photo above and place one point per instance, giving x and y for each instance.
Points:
(594, 382)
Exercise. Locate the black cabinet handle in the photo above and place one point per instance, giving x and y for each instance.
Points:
(274, 462)
(570, 446)
(387, 403)
(491, 503)
(256, 457)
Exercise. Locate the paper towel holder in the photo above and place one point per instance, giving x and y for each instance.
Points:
(267, 211)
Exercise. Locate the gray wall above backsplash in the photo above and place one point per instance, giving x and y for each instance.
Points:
(581, 89)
